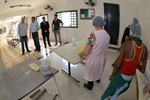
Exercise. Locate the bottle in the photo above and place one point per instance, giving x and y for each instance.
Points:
(74, 40)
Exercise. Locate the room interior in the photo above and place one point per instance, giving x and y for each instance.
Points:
(11, 12)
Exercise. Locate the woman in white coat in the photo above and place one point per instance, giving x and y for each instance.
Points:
(95, 52)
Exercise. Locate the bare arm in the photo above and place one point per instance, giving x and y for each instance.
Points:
(61, 25)
(142, 67)
(85, 52)
(118, 62)
(52, 26)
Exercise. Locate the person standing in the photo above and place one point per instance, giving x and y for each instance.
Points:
(95, 52)
(56, 28)
(45, 31)
(22, 32)
(125, 34)
(34, 27)
(133, 55)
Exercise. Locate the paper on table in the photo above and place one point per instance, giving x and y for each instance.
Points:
(34, 66)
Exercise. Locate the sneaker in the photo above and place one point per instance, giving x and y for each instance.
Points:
(50, 45)
(39, 50)
(55, 44)
(28, 51)
(87, 86)
(35, 50)
(98, 81)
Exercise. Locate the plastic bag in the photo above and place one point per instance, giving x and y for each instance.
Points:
(46, 67)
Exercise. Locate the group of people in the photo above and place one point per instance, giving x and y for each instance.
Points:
(34, 27)
(133, 55)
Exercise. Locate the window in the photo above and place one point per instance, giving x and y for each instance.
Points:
(69, 18)
(39, 18)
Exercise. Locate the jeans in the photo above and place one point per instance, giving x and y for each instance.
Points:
(57, 32)
(35, 37)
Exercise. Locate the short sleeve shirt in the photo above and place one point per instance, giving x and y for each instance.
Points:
(91, 40)
(56, 24)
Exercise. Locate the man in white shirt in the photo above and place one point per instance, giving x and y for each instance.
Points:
(22, 32)
(34, 27)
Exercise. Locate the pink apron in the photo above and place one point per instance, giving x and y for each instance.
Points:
(95, 61)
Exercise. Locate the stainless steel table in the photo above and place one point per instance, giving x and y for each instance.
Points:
(20, 80)
(70, 53)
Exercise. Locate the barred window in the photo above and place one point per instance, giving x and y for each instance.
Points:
(39, 18)
(69, 18)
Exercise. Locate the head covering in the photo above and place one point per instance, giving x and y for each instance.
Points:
(98, 21)
(135, 28)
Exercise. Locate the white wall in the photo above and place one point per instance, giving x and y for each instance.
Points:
(13, 14)
(128, 10)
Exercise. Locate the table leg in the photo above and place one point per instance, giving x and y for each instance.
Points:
(57, 87)
(69, 72)
(40, 92)
(69, 69)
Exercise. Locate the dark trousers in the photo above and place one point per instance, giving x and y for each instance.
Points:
(35, 37)
(24, 40)
(46, 35)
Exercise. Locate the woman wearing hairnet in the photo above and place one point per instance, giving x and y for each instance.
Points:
(95, 52)
(133, 56)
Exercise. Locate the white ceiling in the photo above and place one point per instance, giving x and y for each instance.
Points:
(5, 7)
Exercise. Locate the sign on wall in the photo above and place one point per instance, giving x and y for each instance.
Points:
(87, 14)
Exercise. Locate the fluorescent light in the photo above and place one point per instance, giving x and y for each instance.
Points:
(20, 6)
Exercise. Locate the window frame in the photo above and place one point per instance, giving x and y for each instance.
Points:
(71, 20)
(42, 16)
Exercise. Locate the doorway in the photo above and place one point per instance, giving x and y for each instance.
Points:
(112, 18)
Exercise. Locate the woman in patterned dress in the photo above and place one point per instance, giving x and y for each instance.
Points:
(95, 52)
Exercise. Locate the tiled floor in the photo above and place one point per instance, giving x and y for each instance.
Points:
(69, 89)
(12, 56)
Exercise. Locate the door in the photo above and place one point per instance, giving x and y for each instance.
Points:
(112, 18)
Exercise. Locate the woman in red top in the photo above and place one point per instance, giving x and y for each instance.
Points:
(133, 56)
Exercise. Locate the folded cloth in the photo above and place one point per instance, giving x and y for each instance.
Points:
(34, 66)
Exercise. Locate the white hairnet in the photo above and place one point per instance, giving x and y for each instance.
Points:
(135, 28)
(98, 21)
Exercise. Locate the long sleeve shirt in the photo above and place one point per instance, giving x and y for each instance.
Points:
(22, 29)
(34, 27)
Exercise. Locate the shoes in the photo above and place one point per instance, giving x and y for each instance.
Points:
(39, 50)
(35, 50)
(23, 53)
(28, 51)
(45, 46)
(98, 81)
(88, 86)
(50, 45)
(55, 44)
